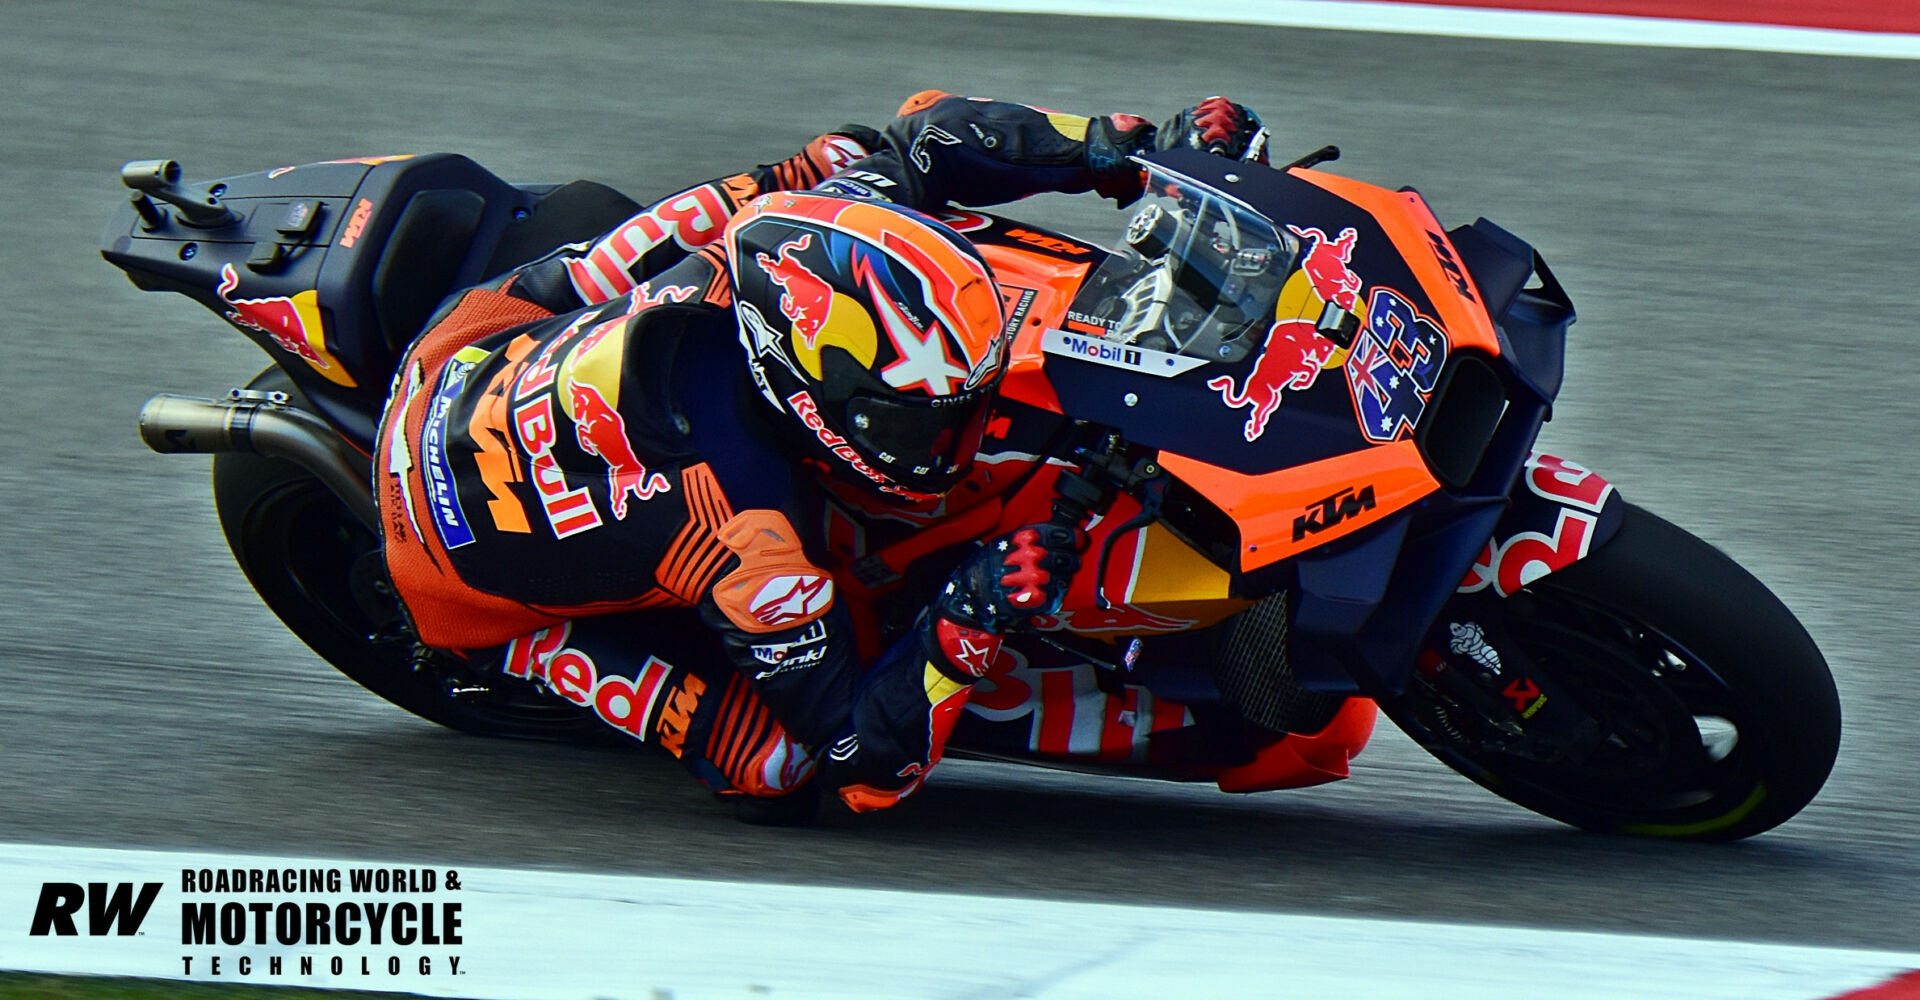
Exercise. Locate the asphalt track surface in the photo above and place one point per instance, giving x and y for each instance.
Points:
(1737, 229)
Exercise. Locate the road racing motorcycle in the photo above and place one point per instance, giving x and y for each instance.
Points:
(1295, 413)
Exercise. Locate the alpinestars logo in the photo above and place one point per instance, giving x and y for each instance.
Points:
(791, 598)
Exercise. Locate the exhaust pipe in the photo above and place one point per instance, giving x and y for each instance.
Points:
(262, 423)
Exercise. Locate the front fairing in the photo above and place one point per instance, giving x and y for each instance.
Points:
(1361, 469)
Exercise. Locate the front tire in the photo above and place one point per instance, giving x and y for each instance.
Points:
(1717, 716)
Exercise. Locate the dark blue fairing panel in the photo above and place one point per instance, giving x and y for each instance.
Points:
(331, 267)
(1532, 321)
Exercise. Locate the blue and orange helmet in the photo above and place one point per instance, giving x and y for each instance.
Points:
(875, 328)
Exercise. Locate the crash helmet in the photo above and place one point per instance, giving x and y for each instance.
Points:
(876, 332)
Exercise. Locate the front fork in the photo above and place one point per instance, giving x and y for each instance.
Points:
(1560, 512)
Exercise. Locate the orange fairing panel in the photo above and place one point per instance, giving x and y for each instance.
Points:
(1299, 760)
(1282, 514)
(1415, 232)
(1053, 283)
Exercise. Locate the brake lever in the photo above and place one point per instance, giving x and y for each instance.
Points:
(1325, 154)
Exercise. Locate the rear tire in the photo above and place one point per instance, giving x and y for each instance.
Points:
(319, 570)
(1718, 716)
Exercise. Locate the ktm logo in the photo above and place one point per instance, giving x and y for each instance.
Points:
(59, 901)
(1443, 255)
(1324, 514)
(1046, 242)
(676, 716)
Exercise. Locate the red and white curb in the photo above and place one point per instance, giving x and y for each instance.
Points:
(1474, 22)
(541, 934)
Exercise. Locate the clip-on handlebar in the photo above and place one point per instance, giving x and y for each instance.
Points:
(1104, 473)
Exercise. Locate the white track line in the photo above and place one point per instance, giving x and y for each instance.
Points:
(536, 934)
(1470, 22)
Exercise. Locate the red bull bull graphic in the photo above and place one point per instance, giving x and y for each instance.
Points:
(600, 431)
(805, 298)
(1291, 359)
(1325, 264)
(293, 324)
(1115, 618)
(1294, 352)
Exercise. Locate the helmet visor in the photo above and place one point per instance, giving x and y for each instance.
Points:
(925, 445)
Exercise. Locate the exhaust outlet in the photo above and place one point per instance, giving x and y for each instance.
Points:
(263, 424)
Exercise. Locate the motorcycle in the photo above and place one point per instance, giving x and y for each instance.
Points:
(1295, 414)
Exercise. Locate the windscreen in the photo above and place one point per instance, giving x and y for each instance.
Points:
(1199, 274)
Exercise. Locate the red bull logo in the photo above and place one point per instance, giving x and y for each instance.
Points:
(692, 219)
(804, 407)
(600, 431)
(1325, 264)
(569, 509)
(1117, 618)
(292, 323)
(1291, 359)
(632, 705)
(804, 299)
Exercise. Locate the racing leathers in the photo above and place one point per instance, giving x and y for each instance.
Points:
(578, 477)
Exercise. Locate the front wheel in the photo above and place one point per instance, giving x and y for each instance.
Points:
(1712, 714)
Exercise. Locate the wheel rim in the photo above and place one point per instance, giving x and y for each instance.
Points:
(1674, 755)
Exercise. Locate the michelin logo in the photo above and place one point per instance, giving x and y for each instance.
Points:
(1112, 355)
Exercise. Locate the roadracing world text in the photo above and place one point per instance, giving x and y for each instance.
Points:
(365, 922)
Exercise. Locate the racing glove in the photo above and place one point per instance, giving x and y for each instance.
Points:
(908, 704)
(1110, 141)
(1219, 126)
(1004, 586)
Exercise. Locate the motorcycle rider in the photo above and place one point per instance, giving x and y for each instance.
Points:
(574, 449)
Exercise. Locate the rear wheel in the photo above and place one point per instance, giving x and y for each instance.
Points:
(320, 571)
(1714, 716)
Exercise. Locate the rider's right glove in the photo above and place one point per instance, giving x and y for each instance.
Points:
(1011, 580)
(1219, 126)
